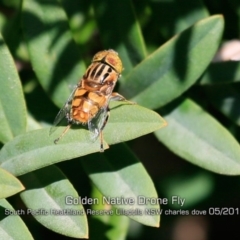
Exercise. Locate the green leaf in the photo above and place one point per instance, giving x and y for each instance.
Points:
(12, 226)
(53, 54)
(123, 34)
(113, 226)
(175, 66)
(184, 12)
(12, 104)
(81, 22)
(130, 121)
(36, 149)
(3, 21)
(226, 99)
(221, 72)
(9, 185)
(119, 175)
(197, 137)
(32, 124)
(46, 197)
(192, 186)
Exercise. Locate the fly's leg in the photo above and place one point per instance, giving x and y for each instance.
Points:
(101, 142)
(117, 97)
(114, 97)
(63, 133)
(101, 130)
(65, 130)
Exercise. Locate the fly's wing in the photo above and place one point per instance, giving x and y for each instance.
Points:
(97, 123)
(64, 111)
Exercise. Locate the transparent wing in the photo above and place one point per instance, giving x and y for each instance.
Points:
(64, 111)
(96, 124)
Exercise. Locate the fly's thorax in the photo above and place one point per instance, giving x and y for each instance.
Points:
(98, 74)
(107, 89)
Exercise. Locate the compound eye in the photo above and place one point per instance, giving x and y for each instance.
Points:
(114, 61)
(99, 56)
(109, 57)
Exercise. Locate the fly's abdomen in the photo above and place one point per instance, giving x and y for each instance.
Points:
(85, 105)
